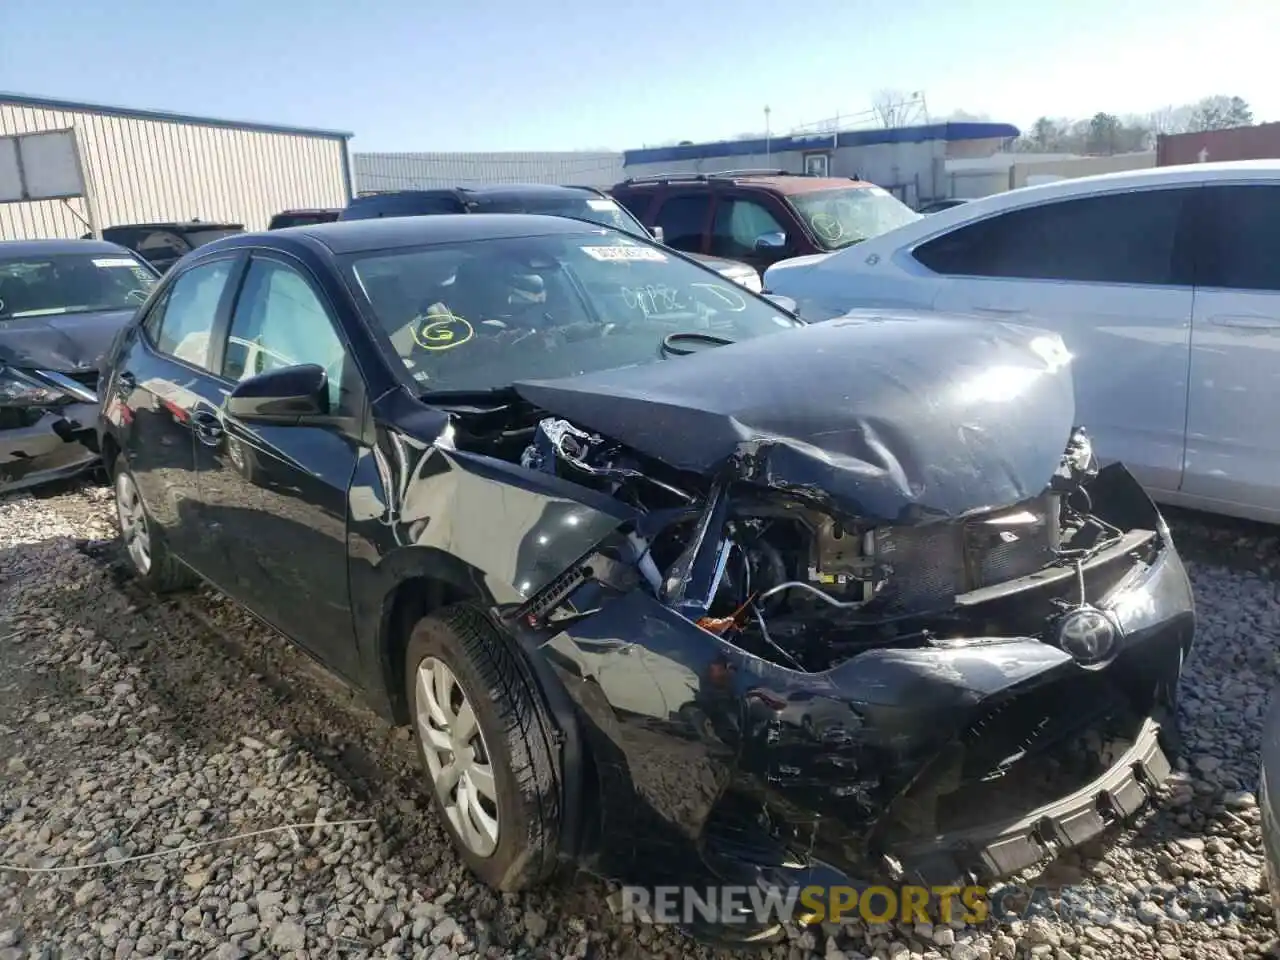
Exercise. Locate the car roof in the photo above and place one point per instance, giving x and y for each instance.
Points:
(780, 182)
(1139, 179)
(388, 233)
(486, 191)
(177, 225)
(38, 248)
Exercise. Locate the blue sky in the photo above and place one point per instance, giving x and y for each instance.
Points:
(570, 74)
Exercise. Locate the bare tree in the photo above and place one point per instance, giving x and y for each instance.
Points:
(893, 108)
(1221, 113)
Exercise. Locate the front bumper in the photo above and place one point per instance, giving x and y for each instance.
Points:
(913, 764)
(59, 443)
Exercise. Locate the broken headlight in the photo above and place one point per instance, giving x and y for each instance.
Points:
(19, 389)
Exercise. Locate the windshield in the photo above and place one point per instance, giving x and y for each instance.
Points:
(480, 315)
(601, 210)
(72, 283)
(848, 215)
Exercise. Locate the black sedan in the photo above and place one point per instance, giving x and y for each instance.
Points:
(61, 303)
(667, 582)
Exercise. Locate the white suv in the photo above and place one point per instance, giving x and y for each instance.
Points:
(1165, 285)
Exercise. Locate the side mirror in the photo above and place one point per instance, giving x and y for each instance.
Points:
(281, 395)
(658, 234)
(771, 242)
(782, 303)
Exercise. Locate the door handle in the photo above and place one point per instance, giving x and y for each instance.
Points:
(207, 427)
(1245, 322)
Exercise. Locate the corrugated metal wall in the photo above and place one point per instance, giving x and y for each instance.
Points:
(420, 171)
(142, 170)
(1261, 142)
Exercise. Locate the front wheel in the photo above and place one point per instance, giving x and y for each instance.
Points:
(486, 742)
(148, 556)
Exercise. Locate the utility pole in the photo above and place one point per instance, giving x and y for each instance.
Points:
(767, 134)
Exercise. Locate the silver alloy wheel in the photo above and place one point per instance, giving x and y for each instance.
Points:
(457, 758)
(133, 523)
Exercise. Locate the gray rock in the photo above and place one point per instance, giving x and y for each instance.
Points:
(244, 923)
(288, 936)
(443, 931)
(944, 936)
(87, 892)
(10, 936)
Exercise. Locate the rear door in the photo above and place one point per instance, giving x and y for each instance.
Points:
(1111, 273)
(684, 219)
(1233, 428)
(275, 495)
(164, 370)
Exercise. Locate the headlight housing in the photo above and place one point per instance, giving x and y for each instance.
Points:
(18, 389)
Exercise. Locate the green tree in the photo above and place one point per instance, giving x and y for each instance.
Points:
(1104, 133)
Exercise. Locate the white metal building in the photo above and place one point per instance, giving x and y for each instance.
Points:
(143, 166)
(910, 161)
(376, 172)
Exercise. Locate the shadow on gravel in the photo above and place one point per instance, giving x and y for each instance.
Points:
(1243, 545)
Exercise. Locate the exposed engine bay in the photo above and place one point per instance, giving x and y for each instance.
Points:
(782, 576)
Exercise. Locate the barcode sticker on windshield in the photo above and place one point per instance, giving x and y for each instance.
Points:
(602, 205)
(624, 253)
(114, 262)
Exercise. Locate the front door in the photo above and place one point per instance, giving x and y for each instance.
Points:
(163, 371)
(276, 495)
(1110, 274)
(739, 221)
(1233, 429)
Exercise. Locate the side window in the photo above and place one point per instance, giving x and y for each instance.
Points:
(737, 224)
(280, 322)
(1242, 238)
(1116, 238)
(182, 322)
(682, 220)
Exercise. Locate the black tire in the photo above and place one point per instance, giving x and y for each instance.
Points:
(165, 574)
(518, 734)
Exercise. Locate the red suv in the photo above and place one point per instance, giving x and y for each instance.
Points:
(760, 216)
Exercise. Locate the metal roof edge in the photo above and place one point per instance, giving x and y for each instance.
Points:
(49, 103)
(948, 131)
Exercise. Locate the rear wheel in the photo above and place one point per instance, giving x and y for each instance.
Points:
(148, 556)
(485, 741)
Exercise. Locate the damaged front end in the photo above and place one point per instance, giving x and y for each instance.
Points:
(914, 648)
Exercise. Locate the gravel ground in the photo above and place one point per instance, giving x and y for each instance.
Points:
(147, 731)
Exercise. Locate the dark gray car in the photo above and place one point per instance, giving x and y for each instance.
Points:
(61, 304)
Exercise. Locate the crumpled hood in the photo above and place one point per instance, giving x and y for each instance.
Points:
(65, 343)
(897, 417)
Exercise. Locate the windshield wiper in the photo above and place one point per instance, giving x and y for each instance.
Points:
(671, 342)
